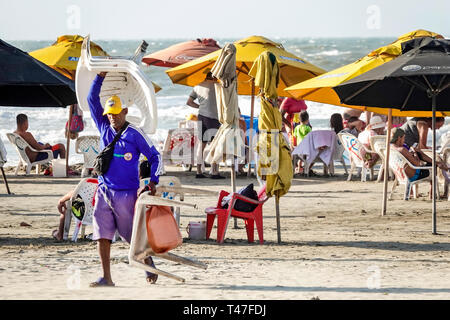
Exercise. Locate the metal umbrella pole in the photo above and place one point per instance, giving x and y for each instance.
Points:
(386, 163)
(433, 106)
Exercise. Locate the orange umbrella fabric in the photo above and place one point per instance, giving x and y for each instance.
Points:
(181, 53)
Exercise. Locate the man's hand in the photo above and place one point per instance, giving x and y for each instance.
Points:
(62, 207)
(102, 74)
(151, 187)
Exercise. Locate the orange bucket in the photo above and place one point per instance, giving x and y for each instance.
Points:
(162, 229)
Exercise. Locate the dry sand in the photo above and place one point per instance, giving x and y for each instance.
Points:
(335, 245)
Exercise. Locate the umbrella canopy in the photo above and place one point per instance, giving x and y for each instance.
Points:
(25, 81)
(320, 89)
(406, 82)
(274, 157)
(228, 142)
(63, 55)
(417, 80)
(292, 68)
(181, 53)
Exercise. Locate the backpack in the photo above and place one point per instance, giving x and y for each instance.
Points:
(241, 205)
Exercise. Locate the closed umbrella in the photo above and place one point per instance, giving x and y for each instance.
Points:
(181, 53)
(228, 142)
(274, 157)
(292, 69)
(418, 80)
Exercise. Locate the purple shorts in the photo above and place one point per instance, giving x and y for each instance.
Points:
(106, 221)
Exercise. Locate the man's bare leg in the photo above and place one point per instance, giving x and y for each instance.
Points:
(104, 250)
(199, 165)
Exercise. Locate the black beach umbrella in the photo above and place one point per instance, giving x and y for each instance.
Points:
(27, 82)
(418, 80)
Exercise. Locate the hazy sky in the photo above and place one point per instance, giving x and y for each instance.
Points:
(133, 19)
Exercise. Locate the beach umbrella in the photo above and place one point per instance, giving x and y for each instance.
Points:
(27, 82)
(274, 156)
(292, 69)
(418, 80)
(228, 142)
(63, 55)
(181, 53)
(321, 88)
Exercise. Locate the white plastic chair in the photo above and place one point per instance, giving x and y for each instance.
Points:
(125, 78)
(378, 144)
(86, 189)
(20, 144)
(89, 147)
(140, 248)
(169, 187)
(398, 163)
(338, 155)
(354, 147)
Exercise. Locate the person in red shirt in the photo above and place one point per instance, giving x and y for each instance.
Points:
(289, 107)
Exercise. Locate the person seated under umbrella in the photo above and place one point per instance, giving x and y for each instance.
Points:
(22, 127)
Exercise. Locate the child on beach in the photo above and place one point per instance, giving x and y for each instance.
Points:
(300, 133)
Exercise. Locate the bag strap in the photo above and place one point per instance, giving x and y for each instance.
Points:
(117, 137)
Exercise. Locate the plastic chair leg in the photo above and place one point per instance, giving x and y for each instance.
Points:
(75, 231)
(394, 185)
(28, 170)
(407, 191)
(67, 222)
(209, 224)
(250, 228)
(84, 172)
(259, 228)
(352, 167)
(18, 167)
(221, 227)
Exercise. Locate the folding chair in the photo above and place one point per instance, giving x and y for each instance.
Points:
(89, 147)
(20, 144)
(250, 218)
(398, 163)
(86, 189)
(354, 147)
(140, 248)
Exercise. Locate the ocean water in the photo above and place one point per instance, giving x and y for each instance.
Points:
(47, 124)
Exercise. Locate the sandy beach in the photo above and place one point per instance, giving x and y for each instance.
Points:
(335, 245)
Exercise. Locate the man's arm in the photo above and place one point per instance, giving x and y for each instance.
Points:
(95, 106)
(422, 127)
(28, 137)
(190, 102)
(147, 148)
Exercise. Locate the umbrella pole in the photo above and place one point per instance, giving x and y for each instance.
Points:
(250, 137)
(277, 211)
(386, 164)
(233, 185)
(68, 139)
(6, 181)
(433, 105)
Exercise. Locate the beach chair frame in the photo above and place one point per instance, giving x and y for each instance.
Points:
(89, 147)
(354, 147)
(20, 144)
(398, 163)
(139, 246)
(86, 189)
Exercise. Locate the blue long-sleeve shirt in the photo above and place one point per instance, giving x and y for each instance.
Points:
(123, 172)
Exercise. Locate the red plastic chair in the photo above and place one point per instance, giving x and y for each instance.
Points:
(223, 215)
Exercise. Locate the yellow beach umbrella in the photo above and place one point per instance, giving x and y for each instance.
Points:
(63, 55)
(292, 68)
(320, 89)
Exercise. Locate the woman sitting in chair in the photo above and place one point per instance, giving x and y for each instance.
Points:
(415, 157)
